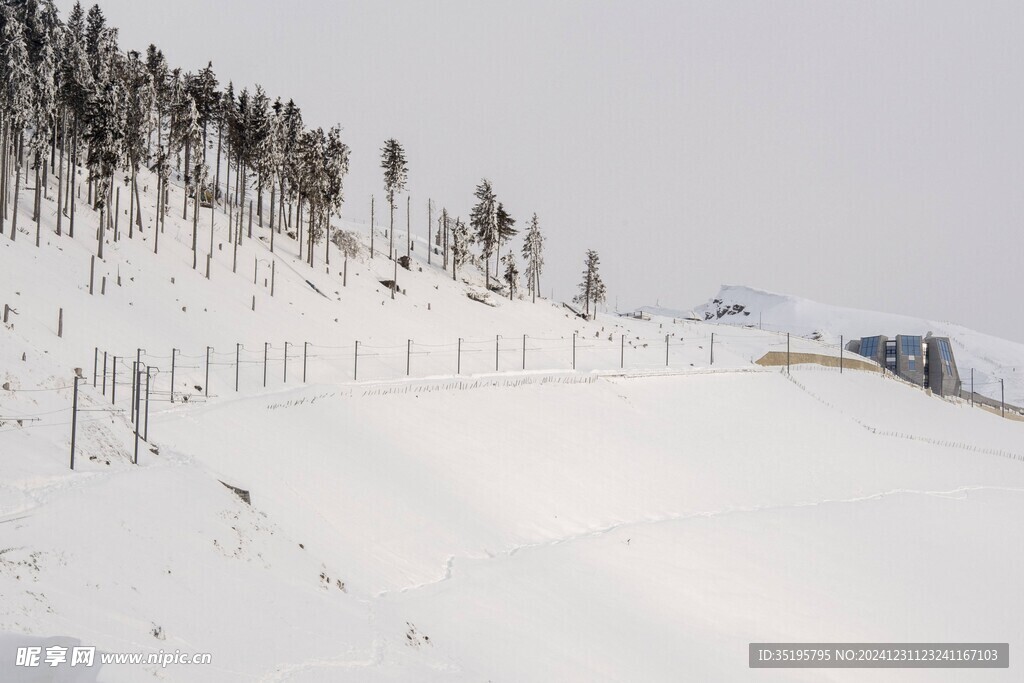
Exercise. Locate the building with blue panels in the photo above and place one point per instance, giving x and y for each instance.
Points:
(926, 361)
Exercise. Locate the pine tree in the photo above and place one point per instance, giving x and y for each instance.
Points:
(506, 231)
(396, 174)
(511, 275)
(591, 288)
(533, 254)
(461, 239)
(484, 220)
(17, 94)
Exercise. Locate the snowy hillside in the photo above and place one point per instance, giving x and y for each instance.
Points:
(448, 515)
(991, 358)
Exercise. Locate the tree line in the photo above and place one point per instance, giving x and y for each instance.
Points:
(71, 98)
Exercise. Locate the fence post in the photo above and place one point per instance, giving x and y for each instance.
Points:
(286, 362)
(136, 381)
(104, 373)
(573, 350)
(113, 382)
(206, 380)
(145, 432)
(173, 352)
(60, 321)
(238, 352)
(95, 364)
(266, 345)
(408, 355)
(305, 355)
(622, 352)
(92, 273)
(666, 350)
(496, 338)
(273, 273)
(74, 421)
(458, 358)
(355, 366)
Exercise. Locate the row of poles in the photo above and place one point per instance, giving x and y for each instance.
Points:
(101, 362)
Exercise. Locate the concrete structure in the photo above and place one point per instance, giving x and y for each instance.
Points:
(927, 361)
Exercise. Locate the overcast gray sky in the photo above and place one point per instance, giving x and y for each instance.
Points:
(867, 154)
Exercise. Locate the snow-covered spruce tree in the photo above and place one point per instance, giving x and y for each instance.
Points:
(336, 164)
(511, 275)
(17, 95)
(461, 240)
(137, 84)
(76, 87)
(484, 220)
(291, 130)
(104, 128)
(260, 145)
(42, 34)
(203, 89)
(506, 231)
(591, 288)
(533, 254)
(396, 173)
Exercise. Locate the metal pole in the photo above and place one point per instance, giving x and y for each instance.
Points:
(458, 358)
(135, 391)
(622, 352)
(173, 352)
(135, 410)
(206, 380)
(145, 433)
(305, 348)
(524, 352)
(286, 362)
(95, 364)
(273, 272)
(238, 352)
(74, 420)
(104, 373)
(408, 353)
(355, 367)
(255, 268)
(266, 345)
(113, 381)
(666, 350)
(573, 350)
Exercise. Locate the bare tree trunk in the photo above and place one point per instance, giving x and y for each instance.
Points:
(17, 184)
(73, 172)
(184, 201)
(60, 174)
(195, 230)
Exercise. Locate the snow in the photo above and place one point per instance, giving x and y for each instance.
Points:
(599, 524)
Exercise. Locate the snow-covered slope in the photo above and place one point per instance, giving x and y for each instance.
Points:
(992, 358)
(642, 517)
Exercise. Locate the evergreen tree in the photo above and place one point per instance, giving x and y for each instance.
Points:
(17, 94)
(461, 239)
(506, 231)
(591, 288)
(533, 254)
(484, 220)
(396, 173)
(511, 275)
